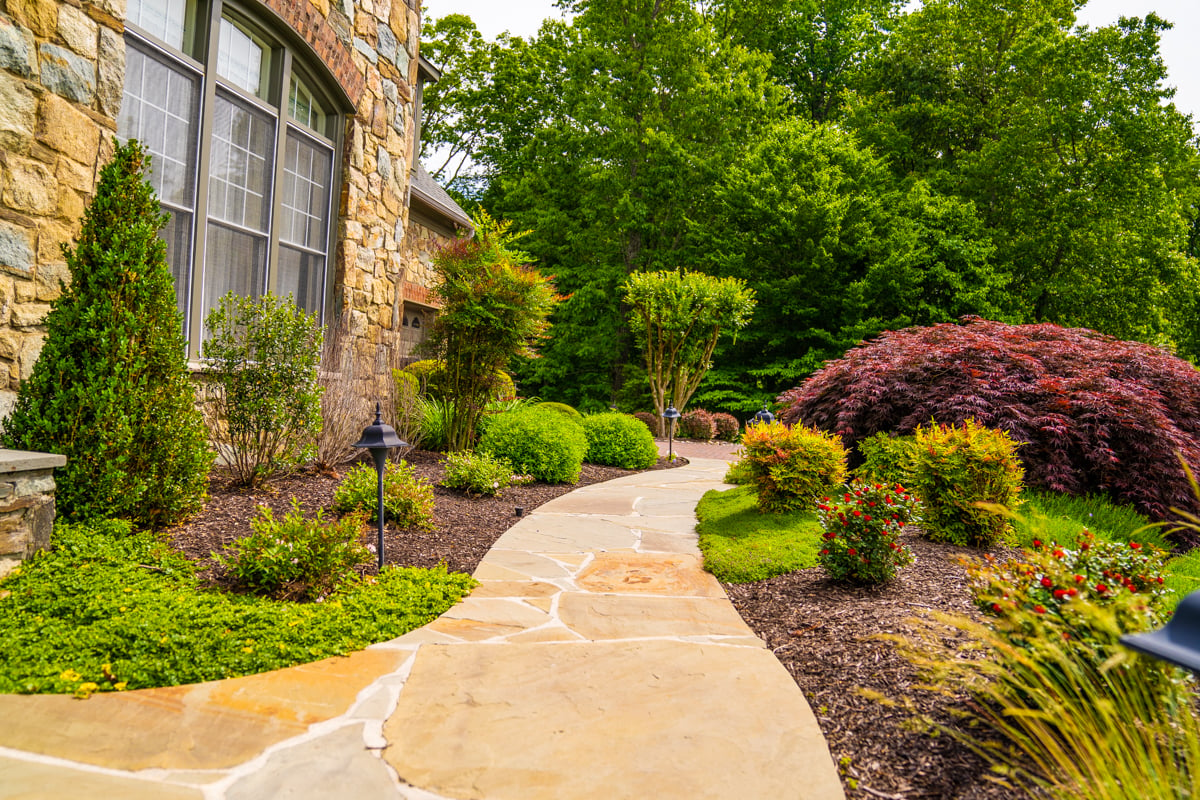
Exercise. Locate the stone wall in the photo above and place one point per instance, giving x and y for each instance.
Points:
(62, 67)
(26, 504)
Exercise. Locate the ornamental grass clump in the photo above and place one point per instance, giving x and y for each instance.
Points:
(476, 473)
(297, 558)
(407, 499)
(792, 467)
(619, 440)
(861, 539)
(967, 476)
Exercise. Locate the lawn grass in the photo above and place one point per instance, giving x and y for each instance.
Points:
(741, 545)
(110, 609)
(1060, 518)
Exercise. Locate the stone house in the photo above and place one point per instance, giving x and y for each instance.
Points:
(283, 134)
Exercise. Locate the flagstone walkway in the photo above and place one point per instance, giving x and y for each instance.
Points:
(596, 660)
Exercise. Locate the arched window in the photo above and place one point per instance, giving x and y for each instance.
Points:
(243, 124)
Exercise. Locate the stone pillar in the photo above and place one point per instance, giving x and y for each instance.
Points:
(26, 504)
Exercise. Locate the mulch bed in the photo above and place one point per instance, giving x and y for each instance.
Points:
(822, 633)
(464, 527)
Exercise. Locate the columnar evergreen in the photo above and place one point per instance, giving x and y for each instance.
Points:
(111, 390)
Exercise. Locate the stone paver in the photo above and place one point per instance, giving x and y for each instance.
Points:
(596, 660)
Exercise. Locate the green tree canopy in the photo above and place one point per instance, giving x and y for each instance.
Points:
(677, 318)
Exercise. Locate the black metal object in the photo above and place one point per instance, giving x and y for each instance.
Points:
(379, 438)
(1178, 641)
(670, 415)
(764, 417)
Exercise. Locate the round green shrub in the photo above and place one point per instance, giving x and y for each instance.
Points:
(537, 441)
(407, 499)
(649, 420)
(567, 411)
(792, 467)
(505, 390)
(727, 426)
(476, 473)
(955, 469)
(619, 440)
(697, 424)
(428, 373)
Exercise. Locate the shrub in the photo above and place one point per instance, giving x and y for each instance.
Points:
(429, 373)
(619, 440)
(407, 499)
(567, 411)
(476, 473)
(792, 467)
(861, 540)
(649, 420)
(537, 441)
(110, 390)
(262, 357)
(697, 424)
(739, 473)
(1094, 414)
(727, 426)
(886, 458)
(406, 394)
(958, 468)
(297, 558)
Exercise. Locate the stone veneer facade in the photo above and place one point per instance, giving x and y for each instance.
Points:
(62, 65)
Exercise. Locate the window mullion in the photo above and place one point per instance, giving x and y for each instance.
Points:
(281, 128)
(207, 102)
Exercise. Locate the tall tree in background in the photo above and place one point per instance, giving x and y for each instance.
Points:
(1063, 140)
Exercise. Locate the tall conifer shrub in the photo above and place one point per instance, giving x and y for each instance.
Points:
(110, 390)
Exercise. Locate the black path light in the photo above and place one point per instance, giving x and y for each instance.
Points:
(1178, 641)
(764, 417)
(379, 438)
(670, 415)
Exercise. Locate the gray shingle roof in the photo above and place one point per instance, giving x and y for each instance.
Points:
(426, 190)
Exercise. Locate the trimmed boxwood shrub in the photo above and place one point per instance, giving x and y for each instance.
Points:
(537, 441)
(727, 426)
(1093, 414)
(697, 424)
(791, 468)
(619, 440)
(567, 411)
(956, 468)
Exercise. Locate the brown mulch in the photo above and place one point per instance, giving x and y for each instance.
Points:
(882, 727)
(876, 718)
(464, 527)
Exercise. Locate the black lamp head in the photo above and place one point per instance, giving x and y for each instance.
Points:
(765, 417)
(671, 413)
(1178, 641)
(380, 435)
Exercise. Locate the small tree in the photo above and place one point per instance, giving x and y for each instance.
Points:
(494, 307)
(677, 318)
(111, 390)
(264, 403)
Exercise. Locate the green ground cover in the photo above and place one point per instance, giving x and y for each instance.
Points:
(741, 545)
(112, 609)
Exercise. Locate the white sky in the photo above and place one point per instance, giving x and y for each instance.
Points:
(1180, 45)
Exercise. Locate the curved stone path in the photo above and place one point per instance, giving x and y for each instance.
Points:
(596, 660)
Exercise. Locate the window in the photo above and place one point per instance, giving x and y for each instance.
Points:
(242, 132)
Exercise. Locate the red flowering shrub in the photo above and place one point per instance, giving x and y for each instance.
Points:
(1093, 414)
(697, 424)
(861, 541)
(727, 426)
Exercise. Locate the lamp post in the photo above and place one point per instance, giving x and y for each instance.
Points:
(764, 417)
(1178, 641)
(670, 415)
(379, 438)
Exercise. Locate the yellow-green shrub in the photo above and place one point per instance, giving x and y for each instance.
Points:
(792, 467)
(961, 473)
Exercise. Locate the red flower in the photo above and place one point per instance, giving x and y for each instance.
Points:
(824, 552)
(1072, 591)
(1079, 579)
(852, 552)
(1037, 543)
(867, 518)
(857, 513)
(1047, 582)
(1039, 609)
(1059, 594)
(996, 608)
(1100, 587)
(1135, 545)
(1059, 553)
